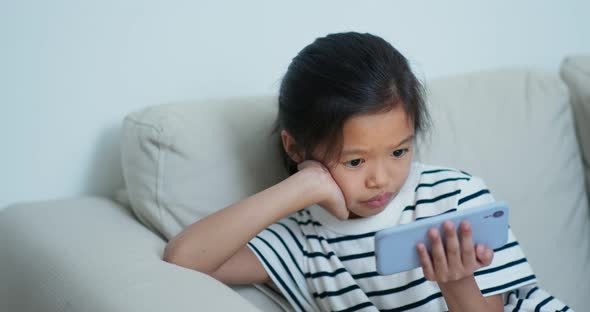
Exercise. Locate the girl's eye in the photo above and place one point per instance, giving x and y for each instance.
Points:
(399, 153)
(353, 163)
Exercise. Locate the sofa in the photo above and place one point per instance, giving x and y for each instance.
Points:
(524, 130)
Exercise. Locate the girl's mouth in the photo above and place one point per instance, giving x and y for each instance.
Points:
(378, 200)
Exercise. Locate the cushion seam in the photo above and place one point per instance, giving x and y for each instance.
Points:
(159, 178)
(141, 123)
(158, 167)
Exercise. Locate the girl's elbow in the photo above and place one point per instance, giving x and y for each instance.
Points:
(170, 254)
(175, 256)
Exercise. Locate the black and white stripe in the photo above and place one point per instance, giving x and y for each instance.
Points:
(317, 268)
(534, 299)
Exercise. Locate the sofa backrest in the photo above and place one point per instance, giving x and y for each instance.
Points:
(515, 129)
(512, 127)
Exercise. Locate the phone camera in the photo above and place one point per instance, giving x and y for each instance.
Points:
(498, 214)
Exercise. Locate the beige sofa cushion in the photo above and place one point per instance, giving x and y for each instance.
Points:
(90, 254)
(575, 71)
(514, 128)
(184, 161)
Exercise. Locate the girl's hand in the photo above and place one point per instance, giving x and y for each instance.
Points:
(457, 259)
(332, 198)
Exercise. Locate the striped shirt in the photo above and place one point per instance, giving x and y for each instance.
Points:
(320, 263)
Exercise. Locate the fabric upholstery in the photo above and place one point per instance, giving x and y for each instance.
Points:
(184, 161)
(91, 254)
(575, 71)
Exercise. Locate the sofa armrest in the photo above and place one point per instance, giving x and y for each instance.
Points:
(91, 254)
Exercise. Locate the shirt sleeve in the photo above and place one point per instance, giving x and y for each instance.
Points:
(532, 299)
(280, 249)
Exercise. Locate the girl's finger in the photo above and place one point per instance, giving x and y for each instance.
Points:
(484, 255)
(467, 248)
(425, 262)
(439, 257)
(452, 247)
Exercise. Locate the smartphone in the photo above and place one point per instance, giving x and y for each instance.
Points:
(395, 247)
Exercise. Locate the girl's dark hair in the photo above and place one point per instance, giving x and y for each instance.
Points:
(340, 76)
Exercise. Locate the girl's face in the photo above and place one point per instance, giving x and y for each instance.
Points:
(375, 161)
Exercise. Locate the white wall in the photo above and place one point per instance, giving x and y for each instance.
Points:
(71, 70)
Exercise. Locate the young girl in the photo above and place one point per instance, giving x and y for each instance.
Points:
(350, 109)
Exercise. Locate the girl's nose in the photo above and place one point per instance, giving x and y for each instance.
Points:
(377, 178)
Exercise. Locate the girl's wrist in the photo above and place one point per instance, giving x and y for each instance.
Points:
(464, 295)
(307, 188)
(313, 184)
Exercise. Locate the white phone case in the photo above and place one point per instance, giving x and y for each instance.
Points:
(395, 248)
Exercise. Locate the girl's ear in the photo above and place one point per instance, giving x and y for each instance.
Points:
(291, 147)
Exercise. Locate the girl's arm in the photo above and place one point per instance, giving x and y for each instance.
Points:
(216, 244)
(464, 295)
(452, 265)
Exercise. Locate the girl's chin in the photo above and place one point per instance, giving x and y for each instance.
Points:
(366, 212)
